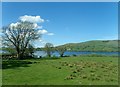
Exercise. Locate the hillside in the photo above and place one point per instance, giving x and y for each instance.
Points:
(96, 45)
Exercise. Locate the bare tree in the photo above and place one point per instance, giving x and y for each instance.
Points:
(20, 36)
(61, 50)
(49, 49)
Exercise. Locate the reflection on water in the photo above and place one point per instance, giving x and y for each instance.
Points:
(70, 53)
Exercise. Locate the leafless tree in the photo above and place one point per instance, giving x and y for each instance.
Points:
(20, 36)
(49, 49)
(61, 50)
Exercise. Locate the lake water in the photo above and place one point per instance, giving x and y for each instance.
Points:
(69, 53)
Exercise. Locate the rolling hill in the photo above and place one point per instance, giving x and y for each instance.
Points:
(95, 45)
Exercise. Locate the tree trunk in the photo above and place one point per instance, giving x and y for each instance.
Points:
(49, 55)
(61, 54)
(20, 56)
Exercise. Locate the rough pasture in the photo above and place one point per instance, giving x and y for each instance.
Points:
(64, 71)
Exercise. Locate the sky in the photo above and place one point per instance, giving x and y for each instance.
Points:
(66, 22)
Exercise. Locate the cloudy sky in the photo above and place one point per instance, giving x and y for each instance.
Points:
(62, 23)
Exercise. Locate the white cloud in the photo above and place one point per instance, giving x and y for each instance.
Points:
(43, 31)
(33, 19)
(50, 34)
(37, 26)
(40, 42)
(7, 32)
(40, 27)
(14, 24)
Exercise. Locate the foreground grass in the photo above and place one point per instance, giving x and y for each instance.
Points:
(64, 71)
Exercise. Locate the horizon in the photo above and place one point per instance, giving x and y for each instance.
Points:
(65, 22)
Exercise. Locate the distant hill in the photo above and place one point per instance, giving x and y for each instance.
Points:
(96, 45)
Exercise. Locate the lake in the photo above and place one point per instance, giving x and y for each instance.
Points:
(70, 53)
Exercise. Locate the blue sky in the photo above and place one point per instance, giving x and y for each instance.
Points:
(70, 22)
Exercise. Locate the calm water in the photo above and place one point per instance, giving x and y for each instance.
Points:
(69, 53)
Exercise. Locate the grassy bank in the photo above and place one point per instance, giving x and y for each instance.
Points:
(62, 71)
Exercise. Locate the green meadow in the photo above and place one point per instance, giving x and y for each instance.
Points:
(61, 71)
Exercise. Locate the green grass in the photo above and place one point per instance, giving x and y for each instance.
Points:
(64, 71)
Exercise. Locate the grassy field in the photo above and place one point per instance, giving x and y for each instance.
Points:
(62, 71)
